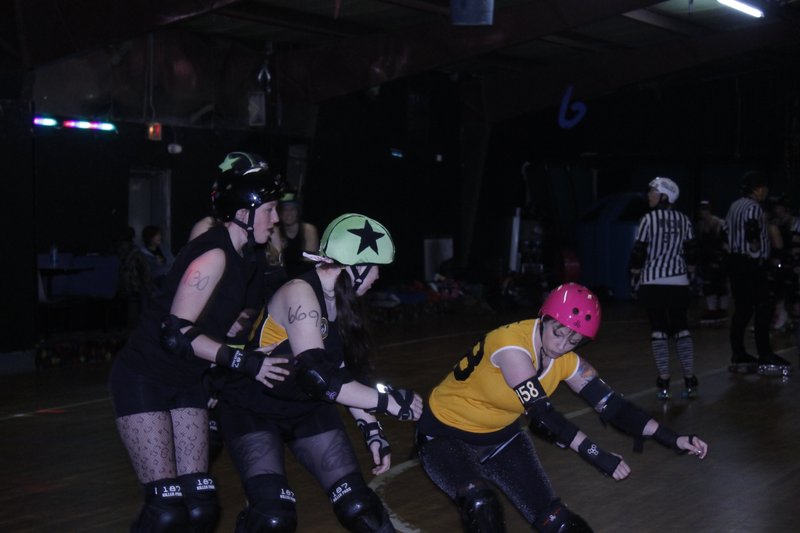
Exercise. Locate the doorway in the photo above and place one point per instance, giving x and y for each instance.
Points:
(149, 194)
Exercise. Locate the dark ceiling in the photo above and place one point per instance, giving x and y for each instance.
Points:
(315, 50)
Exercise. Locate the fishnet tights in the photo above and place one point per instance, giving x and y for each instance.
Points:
(166, 444)
(328, 456)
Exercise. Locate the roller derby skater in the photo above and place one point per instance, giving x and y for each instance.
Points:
(470, 442)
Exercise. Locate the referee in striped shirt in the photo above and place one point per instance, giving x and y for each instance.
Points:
(748, 246)
(662, 258)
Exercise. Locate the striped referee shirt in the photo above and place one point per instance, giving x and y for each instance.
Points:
(665, 231)
(740, 212)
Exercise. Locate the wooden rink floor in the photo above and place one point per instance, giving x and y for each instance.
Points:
(64, 468)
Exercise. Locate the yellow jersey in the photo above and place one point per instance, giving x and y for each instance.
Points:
(475, 397)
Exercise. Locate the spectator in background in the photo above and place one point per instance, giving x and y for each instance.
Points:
(785, 241)
(749, 247)
(710, 256)
(159, 257)
(294, 238)
(662, 259)
(134, 282)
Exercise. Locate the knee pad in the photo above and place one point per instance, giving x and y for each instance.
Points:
(164, 510)
(357, 507)
(683, 333)
(480, 509)
(558, 519)
(658, 335)
(271, 508)
(200, 497)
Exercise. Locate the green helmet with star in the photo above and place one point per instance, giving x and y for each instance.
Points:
(353, 239)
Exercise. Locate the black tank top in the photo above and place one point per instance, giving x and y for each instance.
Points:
(143, 350)
(286, 400)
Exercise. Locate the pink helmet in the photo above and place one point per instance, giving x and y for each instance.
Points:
(576, 307)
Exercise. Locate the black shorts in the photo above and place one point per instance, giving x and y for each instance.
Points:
(237, 421)
(132, 392)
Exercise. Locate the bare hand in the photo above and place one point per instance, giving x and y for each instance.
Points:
(622, 471)
(693, 444)
(272, 368)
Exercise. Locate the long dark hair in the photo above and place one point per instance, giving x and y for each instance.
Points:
(352, 322)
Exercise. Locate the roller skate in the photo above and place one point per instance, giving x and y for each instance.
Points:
(662, 389)
(773, 365)
(743, 364)
(690, 392)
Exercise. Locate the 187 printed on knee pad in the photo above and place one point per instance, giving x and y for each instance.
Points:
(340, 491)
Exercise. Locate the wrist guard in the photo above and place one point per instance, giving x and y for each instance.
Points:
(403, 397)
(244, 361)
(603, 461)
(373, 432)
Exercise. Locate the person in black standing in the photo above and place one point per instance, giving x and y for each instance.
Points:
(748, 246)
(156, 382)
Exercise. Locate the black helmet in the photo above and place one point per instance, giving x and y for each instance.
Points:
(245, 183)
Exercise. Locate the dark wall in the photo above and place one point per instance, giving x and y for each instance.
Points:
(352, 168)
(81, 180)
(19, 266)
(705, 132)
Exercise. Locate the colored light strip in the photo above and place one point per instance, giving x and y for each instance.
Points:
(86, 125)
(743, 8)
(42, 121)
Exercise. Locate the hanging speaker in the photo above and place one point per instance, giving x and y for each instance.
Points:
(471, 12)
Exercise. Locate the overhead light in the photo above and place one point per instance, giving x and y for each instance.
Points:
(44, 121)
(742, 7)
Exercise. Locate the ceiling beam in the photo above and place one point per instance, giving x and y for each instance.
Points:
(52, 29)
(509, 96)
(421, 5)
(295, 20)
(355, 64)
(664, 22)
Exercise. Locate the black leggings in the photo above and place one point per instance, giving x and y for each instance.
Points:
(666, 307)
(751, 296)
(453, 465)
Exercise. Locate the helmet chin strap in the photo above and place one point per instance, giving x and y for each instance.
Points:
(251, 238)
(358, 279)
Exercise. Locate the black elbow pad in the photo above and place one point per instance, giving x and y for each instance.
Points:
(551, 425)
(173, 340)
(316, 376)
